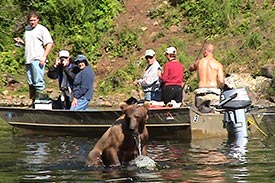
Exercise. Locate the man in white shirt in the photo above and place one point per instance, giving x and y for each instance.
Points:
(38, 44)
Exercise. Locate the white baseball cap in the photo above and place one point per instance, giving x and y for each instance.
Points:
(64, 53)
(150, 53)
(171, 50)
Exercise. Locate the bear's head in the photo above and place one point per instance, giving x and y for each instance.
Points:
(136, 116)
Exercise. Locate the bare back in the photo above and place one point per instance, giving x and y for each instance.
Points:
(210, 73)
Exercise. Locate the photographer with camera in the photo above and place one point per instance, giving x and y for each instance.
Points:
(65, 71)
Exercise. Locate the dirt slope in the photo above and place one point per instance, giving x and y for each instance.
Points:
(135, 17)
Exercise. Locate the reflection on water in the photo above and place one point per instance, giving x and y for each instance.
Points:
(62, 159)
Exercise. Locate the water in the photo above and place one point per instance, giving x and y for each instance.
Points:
(62, 159)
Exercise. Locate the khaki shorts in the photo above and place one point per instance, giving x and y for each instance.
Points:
(207, 94)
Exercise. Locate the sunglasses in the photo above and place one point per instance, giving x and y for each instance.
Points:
(148, 57)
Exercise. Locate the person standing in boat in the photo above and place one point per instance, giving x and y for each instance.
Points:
(64, 69)
(211, 79)
(83, 88)
(150, 82)
(38, 44)
(172, 78)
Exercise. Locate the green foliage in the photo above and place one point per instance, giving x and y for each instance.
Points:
(271, 89)
(123, 44)
(209, 17)
(76, 25)
(254, 41)
(243, 27)
(159, 35)
(88, 27)
(10, 62)
(121, 80)
(155, 12)
(8, 17)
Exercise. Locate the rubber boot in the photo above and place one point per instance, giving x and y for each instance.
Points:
(32, 91)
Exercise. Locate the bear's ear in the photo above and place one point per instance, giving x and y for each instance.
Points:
(146, 117)
(123, 105)
(146, 105)
(131, 101)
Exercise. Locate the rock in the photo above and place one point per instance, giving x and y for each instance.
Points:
(5, 92)
(268, 70)
(9, 80)
(261, 84)
(257, 86)
(156, 23)
(245, 80)
(174, 29)
(263, 103)
(272, 99)
(144, 29)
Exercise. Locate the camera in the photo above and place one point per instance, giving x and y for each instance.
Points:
(62, 60)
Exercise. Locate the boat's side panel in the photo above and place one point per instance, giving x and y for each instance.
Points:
(60, 116)
(99, 117)
(169, 116)
(91, 131)
(163, 122)
(206, 125)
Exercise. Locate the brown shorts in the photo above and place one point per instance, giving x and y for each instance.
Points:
(207, 94)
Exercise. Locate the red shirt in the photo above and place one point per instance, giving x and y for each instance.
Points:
(173, 73)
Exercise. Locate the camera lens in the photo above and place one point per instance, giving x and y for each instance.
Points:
(62, 59)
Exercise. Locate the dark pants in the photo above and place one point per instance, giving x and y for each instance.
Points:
(60, 103)
(171, 92)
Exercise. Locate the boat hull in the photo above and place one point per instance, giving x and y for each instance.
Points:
(183, 122)
(162, 123)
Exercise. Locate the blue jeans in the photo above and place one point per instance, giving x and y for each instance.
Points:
(152, 95)
(147, 96)
(35, 75)
(82, 104)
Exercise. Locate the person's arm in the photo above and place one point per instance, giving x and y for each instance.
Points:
(53, 72)
(48, 49)
(19, 40)
(193, 67)
(220, 76)
(164, 76)
(69, 73)
(151, 76)
(54, 69)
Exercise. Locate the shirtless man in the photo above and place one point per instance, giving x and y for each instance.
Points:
(211, 78)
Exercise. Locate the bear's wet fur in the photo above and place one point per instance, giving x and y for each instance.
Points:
(117, 146)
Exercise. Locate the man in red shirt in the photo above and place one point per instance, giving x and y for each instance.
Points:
(172, 78)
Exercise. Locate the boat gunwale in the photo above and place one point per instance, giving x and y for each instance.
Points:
(92, 126)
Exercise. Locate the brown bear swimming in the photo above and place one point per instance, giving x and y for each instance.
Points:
(118, 145)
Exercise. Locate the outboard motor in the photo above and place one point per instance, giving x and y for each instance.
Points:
(234, 102)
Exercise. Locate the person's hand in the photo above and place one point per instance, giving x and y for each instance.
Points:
(18, 40)
(135, 82)
(74, 102)
(57, 62)
(42, 60)
(159, 73)
(66, 62)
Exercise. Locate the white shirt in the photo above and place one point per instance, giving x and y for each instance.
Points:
(35, 40)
